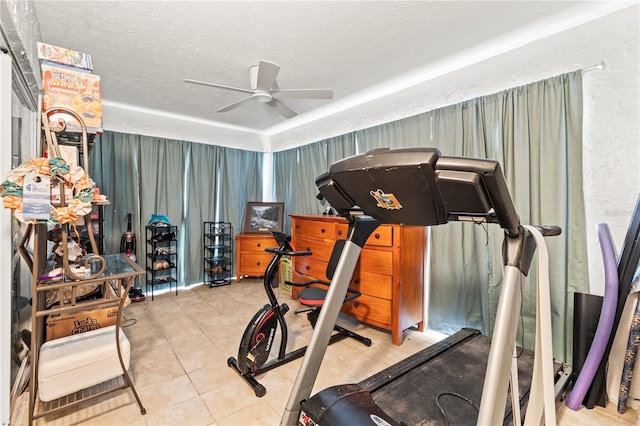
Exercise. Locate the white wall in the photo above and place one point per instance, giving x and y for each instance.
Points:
(126, 119)
(611, 131)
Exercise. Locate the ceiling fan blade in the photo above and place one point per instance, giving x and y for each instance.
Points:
(283, 109)
(304, 93)
(219, 86)
(234, 105)
(267, 73)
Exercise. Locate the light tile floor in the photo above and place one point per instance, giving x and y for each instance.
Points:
(180, 345)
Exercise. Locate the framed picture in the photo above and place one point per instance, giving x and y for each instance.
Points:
(263, 217)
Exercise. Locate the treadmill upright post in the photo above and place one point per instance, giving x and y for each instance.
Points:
(503, 341)
(360, 229)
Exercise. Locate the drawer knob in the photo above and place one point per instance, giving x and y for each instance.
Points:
(340, 232)
(258, 263)
(356, 304)
(377, 236)
(356, 281)
(323, 230)
(308, 248)
(308, 268)
(259, 245)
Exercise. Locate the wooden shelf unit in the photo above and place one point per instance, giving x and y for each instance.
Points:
(389, 274)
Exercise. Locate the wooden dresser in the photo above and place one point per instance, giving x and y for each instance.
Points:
(251, 259)
(389, 274)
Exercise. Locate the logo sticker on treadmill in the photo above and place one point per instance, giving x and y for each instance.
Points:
(379, 420)
(386, 201)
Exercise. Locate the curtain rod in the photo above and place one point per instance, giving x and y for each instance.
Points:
(599, 66)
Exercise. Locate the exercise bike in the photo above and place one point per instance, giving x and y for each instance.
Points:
(259, 336)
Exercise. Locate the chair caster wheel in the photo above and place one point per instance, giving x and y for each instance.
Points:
(367, 342)
(260, 391)
(143, 411)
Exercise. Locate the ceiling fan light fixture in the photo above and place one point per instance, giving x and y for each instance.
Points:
(263, 97)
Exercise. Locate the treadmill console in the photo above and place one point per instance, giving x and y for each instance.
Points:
(417, 186)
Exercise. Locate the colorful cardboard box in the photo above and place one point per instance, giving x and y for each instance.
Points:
(61, 55)
(76, 90)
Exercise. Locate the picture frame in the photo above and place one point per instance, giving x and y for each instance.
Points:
(263, 217)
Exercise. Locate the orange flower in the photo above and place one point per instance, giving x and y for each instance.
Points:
(82, 183)
(12, 202)
(65, 215)
(40, 164)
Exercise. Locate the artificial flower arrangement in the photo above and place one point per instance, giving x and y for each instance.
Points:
(11, 190)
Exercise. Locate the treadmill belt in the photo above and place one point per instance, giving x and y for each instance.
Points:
(457, 365)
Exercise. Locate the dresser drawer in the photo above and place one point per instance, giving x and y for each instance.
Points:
(341, 231)
(319, 250)
(376, 261)
(382, 236)
(312, 267)
(254, 264)
(371, 310)
(372, 284)
(320, 231)
(258, 244)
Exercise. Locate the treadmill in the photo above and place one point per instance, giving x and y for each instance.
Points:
(418, 186)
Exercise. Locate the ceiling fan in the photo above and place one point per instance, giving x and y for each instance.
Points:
(264, 89)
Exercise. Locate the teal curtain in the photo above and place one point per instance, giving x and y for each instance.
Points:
(240, 175)
(535, 132)
(201, 202)
(189, 182)
(112, 163)
(295, 172)
(411, 131)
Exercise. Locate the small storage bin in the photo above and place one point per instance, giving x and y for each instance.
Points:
(79, 361)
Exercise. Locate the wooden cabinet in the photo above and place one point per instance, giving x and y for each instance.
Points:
(251, 259)
(389, 274)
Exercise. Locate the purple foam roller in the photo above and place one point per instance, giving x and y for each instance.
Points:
(605, 323)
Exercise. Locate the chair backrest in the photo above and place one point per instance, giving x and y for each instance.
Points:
(335, 257)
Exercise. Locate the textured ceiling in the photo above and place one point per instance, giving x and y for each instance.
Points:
(362, 50)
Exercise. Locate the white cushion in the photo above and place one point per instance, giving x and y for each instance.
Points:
(79, 361)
